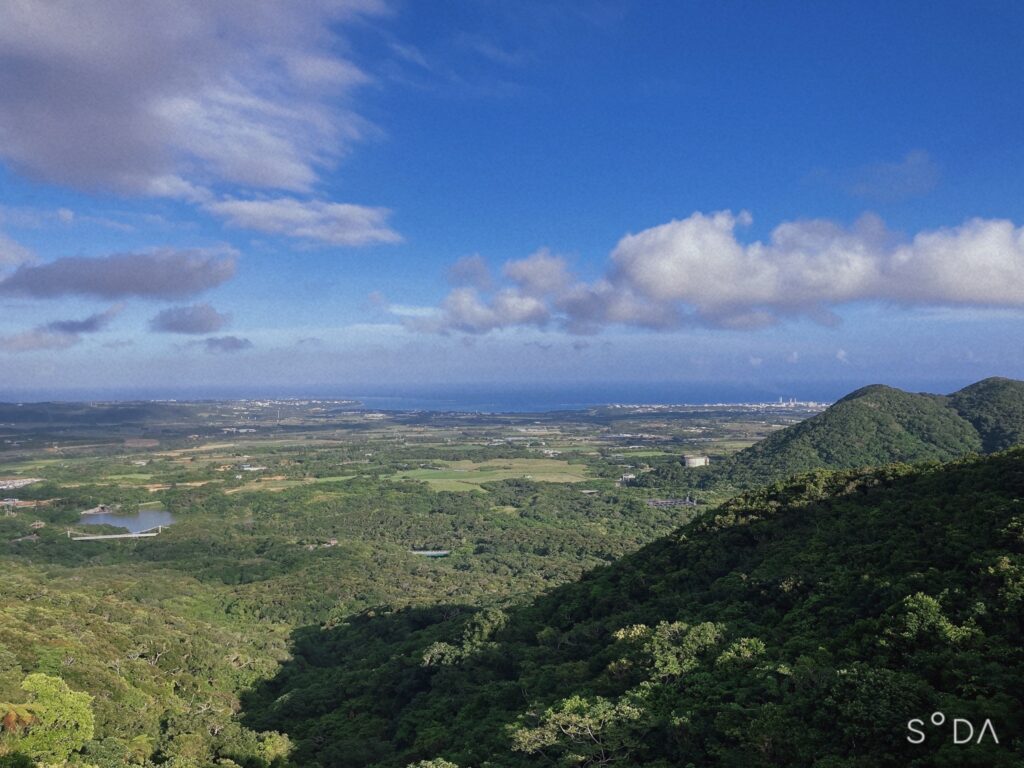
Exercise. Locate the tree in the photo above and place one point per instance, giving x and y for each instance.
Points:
(586, 731)
(62, 720)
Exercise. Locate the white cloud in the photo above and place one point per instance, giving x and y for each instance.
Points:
(127, 94)
(805, 267)
(409, 310)
(980, 263)
(464, 310)
(697, 271)
(539, 274)
(331, 223)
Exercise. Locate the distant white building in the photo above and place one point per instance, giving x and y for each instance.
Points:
(11, 484)
(696, 461)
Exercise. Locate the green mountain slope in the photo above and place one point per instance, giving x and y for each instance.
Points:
(799, 625)
(872, 426)
(995, 407)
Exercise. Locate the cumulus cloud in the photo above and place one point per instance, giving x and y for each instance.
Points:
(197, 318)
(464, 310)
(58, 334)
(698, 271)
(165, 274)
(471, 271)
(539, 274)
(218, 345)
(332, 223)
(131, 94)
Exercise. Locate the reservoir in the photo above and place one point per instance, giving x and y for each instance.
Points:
(143, 520)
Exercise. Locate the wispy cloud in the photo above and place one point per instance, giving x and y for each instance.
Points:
(91, 324)
(13, 253)
(195, 319)
(58, 334)
(914, 175)
(331, 223)
(409, 310)
(492, 51)
(165, 274)
(37, 340)
(219, 345)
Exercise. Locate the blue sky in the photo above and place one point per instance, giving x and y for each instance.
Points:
(366, 195)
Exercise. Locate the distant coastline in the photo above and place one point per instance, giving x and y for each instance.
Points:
(497, 398)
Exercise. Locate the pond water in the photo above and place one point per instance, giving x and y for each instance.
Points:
(143, 520)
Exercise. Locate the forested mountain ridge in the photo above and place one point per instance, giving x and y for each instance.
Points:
(995, 407)
(871, 426)
(801, 624)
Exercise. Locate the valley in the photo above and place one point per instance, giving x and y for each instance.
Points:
(289, 585)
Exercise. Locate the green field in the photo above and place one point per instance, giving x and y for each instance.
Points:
(644, 454)
(469, 475)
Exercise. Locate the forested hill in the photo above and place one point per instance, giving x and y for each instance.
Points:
(872, 426)
(801, 624)
(995, 407)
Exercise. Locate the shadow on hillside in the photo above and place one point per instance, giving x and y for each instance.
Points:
(337, 698)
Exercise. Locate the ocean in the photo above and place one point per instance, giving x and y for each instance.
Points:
(501, 398)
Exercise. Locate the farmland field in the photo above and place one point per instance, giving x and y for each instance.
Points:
(469, 475)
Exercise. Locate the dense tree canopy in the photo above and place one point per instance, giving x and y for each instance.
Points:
(289, 618)
(802, 624)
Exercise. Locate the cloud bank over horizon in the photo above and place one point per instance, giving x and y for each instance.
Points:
(696, 271)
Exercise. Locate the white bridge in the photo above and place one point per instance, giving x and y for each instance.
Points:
(146, 534)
